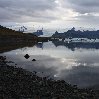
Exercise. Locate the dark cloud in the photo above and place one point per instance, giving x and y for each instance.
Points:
(83, 6)
(26, 10)
(22, 11)
(85, 9)
(89, 19)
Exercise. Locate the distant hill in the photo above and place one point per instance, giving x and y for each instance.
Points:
(9, 35)
(7, 31)
(77, 34)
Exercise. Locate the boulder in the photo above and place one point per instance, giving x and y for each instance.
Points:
(26, 56)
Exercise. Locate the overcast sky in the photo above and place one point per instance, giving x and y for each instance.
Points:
(50, 13)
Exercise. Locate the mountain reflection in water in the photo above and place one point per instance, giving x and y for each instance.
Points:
(76, 63)
(73, 45)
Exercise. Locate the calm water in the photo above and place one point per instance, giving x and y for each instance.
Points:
(76, 64)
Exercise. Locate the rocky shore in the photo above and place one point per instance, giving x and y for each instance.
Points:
(17, 83)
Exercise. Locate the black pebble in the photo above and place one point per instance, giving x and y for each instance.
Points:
(34, 60)
(26, 56)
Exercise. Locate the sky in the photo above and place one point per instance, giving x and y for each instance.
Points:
(50, 13)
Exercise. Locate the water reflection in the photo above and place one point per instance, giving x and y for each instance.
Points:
(79, 66)
(74, 45)
(40, 45)
(83, 76)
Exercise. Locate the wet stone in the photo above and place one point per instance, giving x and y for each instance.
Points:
(2, 58)
(26, 56)
(34, 60)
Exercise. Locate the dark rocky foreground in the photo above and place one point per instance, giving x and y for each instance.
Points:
(17, 83)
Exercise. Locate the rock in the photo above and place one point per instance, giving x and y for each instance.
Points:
(26, 56)
(2, 58)
(34, 72)
(10, 62)
(34, 60)
(17, 83)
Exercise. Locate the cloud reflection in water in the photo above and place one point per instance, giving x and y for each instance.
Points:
(79, 67)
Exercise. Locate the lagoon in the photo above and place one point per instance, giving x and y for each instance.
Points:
(77, 64)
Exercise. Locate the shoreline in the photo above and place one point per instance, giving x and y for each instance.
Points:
(18, 83)
(8, 44)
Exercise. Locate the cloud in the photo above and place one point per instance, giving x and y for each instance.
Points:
(88, 17)
(84, 12)
(27, 10)
(50, 12)
(82, 6)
